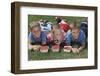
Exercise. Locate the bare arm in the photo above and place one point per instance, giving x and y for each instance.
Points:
(81, 47)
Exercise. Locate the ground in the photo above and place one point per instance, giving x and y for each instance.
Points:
(58, 55)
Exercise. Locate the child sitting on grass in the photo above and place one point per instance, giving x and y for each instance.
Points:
(75, 40)
(36, 37)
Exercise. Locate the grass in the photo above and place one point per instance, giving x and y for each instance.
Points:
(68, 19)
(58, 55)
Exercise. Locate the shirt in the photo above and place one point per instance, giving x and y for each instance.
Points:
(64, 26)
(46, 27)
(80, 40)
(40, 39)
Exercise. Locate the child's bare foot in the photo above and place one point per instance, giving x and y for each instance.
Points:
(55, 48)
(67, 49)
(44, 49)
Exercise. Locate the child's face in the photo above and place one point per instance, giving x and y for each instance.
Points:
(75, 33)
(58, 35)
(36, 31)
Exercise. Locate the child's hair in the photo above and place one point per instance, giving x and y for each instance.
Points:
(56, 31)
(76, 27)
(34, 24)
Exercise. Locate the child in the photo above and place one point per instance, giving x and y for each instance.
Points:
(84, 27)
(45, 26)
(55, 38)
(75, 40)
(36, 37)
(62, 24)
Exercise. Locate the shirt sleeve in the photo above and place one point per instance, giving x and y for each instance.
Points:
(30, 37)
(67, 38)
(44, 38)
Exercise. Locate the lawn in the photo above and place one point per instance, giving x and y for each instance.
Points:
(56, 55)
(68, 19)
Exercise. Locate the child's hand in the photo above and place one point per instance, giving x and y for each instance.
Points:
(43, 43)
(36, 47)
(30, 47)
(75, 50)
(67, 48)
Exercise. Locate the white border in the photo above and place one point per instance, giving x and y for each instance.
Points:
(25, 64)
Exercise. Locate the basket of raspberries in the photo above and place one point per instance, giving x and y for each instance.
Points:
(55, 48)
(44, 48)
